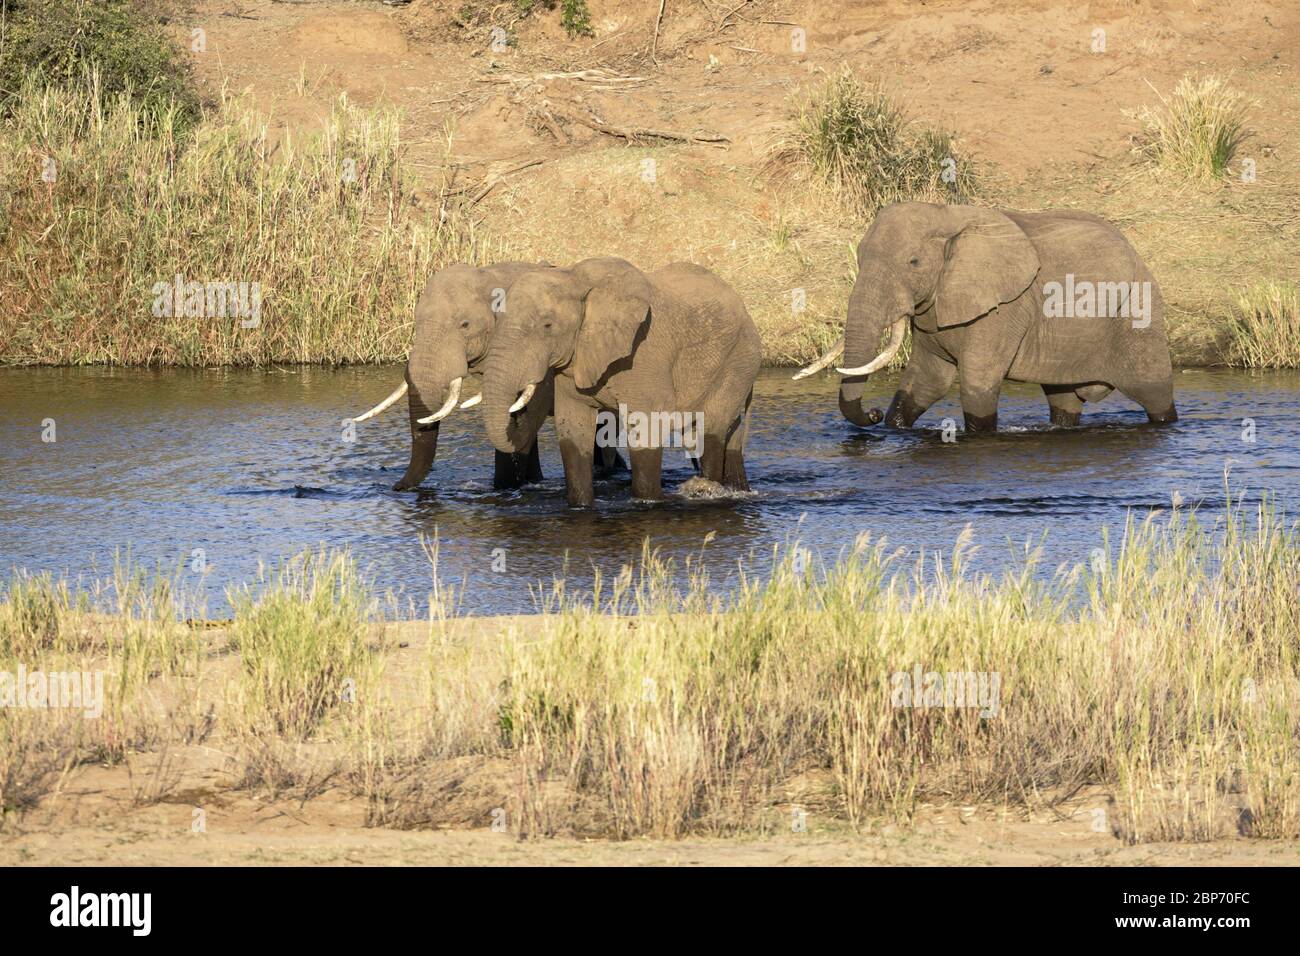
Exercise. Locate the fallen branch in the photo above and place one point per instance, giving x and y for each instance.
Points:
(635, 133)
(493, 181)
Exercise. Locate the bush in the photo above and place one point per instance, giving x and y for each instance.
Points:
(861, 143)
(59, 41)
(1197, 131)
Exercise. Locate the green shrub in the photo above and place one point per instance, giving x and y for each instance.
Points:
(60, 41)
(862, 144)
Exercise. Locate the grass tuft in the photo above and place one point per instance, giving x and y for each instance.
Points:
(1196, 132)
(302, 637)
(858, 141)
(1264, 330)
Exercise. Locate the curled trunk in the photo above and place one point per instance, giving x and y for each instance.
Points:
(875, 304)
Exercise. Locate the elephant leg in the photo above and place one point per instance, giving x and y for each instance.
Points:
(1065, 405)
(516, 469)
(1157, 399)
(575, 426)
(647, 471)
(926, 379)
(979, 403)
(733, 470)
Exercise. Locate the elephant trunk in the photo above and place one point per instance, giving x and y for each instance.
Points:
(507, 372)
(428, 377)
(851, 390)
(424, 438)
(871, 311)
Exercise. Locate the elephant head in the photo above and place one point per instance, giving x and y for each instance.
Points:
(584, 319)
(454, 321)
(936, 266)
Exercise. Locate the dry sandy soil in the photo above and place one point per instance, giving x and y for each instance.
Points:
(144, 812)
(1046, 122)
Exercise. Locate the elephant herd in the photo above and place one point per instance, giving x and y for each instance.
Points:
(625, 358)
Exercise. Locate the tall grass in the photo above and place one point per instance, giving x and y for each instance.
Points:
(1157, 679)
(302, 637)
(1195, 132)
(1161, 675)
(1264, 330)
(127, 630)
(104, 203)
(858, 141)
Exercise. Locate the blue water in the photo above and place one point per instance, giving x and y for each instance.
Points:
(250, 466)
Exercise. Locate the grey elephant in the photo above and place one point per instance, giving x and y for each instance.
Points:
(1056, 298)
(633, 354)
(454, 321)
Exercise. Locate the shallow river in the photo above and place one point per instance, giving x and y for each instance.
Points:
(249, 465)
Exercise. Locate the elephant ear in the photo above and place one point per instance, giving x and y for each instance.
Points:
(987, 261)
(613, 312)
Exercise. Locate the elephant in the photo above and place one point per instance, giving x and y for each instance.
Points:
(1056, 298)
(454, 320)
(674, 347)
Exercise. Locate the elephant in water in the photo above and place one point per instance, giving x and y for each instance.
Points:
(673, 351)
(1056, 298)
(455, 318)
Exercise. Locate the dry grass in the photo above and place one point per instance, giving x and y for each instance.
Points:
(861, 144)
(1196, 132)
(1163, 672)
(323, 228)
(1264, 331)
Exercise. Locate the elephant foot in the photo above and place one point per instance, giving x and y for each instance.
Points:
(516, 470)
(733, 472)
(1163, 418)
(903, 411)
(981, 424)
(607, 462)
(1064, 419)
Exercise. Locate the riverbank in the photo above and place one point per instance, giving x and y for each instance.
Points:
(324, 192)
(1144, 698)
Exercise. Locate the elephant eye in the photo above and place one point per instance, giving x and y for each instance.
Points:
(547, 326)
(465, 324)
(914, 262)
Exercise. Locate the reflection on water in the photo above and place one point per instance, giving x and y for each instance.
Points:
(251, 465)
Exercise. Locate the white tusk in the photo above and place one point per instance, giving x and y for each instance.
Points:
(523, 398)
(397, 393)
(885, 357)
(447, 406)
(822, 362)
(471, 402)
